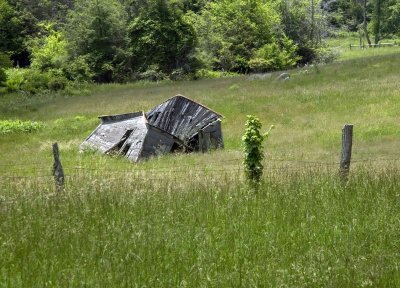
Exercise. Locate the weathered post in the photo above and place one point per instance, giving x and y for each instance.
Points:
(347, 143)
(58, 172)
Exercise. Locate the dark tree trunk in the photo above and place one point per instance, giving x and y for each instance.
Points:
(365, 24)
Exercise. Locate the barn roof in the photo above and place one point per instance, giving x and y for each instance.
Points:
(181, 117)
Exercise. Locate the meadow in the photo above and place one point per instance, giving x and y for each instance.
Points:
(190, 220)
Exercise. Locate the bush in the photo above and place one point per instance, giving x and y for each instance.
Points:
(13, 126)
(326, 55)
(3, 77)
(152, 74)
(307, 55)
(275, 56)
(210, 74)
(77, 69)
(35, 81)
(15, 79)
(5, 62)
(259, 65)
(253, 149)
(57, 83)
(178, 75)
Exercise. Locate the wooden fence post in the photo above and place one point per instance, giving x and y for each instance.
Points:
(347, 143)
(58, 171)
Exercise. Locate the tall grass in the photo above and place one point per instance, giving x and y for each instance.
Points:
(190, 220)
(300, 230)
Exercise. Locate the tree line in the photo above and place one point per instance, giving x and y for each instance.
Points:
(62, 41)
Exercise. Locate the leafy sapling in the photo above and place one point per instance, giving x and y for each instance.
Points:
(253, 149)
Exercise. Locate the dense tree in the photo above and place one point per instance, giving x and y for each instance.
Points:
(160, 38)
(45, 10)
(230, 31)
(385, 18)
(96, 30)
(48, 52)
(391, 25)
(122, 40)
(15, 27)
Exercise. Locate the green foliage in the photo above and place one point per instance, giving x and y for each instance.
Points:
(392, 25)
(275, 57)
(57, 83)
(253, 149)
(96, 31)
(326, 55)
(303, 22)
(15, 78)
(152, 73)
(385, 19)
(211, 74)
(15, 126)
(10, 28)
(230, 31)
(35, 81)
(161, 36)
(49, 52)
(4, 64)
(78, 69)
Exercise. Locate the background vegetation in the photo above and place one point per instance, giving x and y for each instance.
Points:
(50, 45)
(190, 220)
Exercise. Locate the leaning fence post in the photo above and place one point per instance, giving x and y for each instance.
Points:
(58, 172)
(347, 143)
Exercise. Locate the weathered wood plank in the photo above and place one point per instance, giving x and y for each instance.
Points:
(58, 171)
(347, 143)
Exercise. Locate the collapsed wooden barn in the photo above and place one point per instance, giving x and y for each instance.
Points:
(178, 124)
(194, 124)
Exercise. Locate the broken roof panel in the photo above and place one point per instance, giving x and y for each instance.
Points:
(181, 117)
(111, 130)
(130, 135)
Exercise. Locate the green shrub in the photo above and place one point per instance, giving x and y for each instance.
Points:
(153, 73)
(253, 149)
(259, 65)
(3, 77)
(49, 51)
(178, 75)
(275, 56)
(326, 55)
(5, 63)
(15, 78)
(57, 83)
(78, 69)
(14, 126)
(210, 74)
(35, 81)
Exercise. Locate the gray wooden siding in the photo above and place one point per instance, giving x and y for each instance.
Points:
(156, 143)
(109, 133)
(136, 140)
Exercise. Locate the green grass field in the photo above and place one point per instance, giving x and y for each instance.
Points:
(190, 220)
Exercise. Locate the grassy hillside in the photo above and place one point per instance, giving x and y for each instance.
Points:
(190, 220)
(308, 111)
